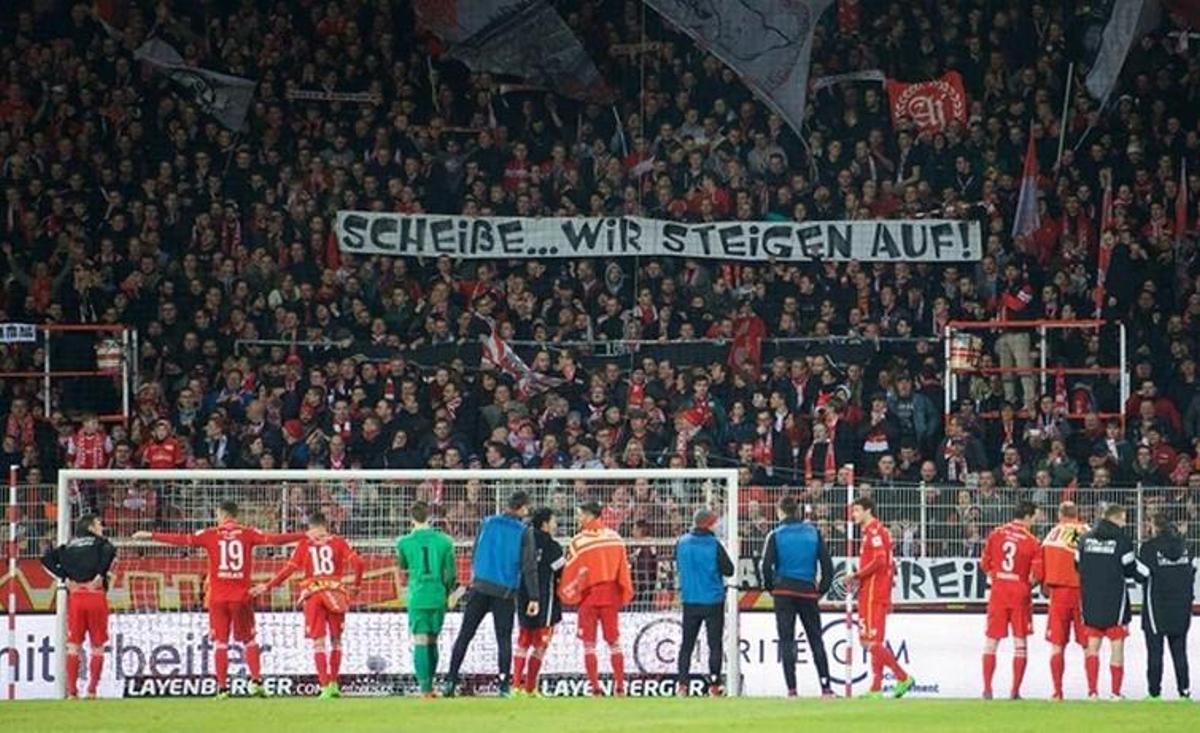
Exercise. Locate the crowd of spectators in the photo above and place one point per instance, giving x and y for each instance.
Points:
(124, 204)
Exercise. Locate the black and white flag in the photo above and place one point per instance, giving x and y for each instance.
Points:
(766, 42)
(227, 98)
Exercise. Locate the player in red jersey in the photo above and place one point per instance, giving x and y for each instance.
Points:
(230, 549)
(1012, 559)
(1060, 579)
(325, 560)
(874, 583)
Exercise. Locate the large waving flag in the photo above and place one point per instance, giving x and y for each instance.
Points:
(1027, 220)
(498, 354)
(525, 38)
(767, 42)
(1107, 33)
(225, 97)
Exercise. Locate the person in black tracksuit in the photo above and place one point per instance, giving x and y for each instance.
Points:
(1167, 610)
(702, 564)
(84, 564)
(537, 630)
(797, 570)
(1106, 560)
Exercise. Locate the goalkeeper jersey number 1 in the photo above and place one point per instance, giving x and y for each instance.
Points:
(428, 556)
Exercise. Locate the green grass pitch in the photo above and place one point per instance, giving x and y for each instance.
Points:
(589, 716)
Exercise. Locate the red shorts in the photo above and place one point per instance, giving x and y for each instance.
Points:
(1003, 615)
(872, 621)
(606, 616)
(224, 615)
(87, 615)
(537, 637)
(318, 616)
(1112, 633)
(1064, 619)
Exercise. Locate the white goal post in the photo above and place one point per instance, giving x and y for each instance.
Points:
(152, 602)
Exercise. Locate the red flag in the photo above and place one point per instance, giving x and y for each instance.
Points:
(932, 104)
(746, 351)
(497, 353)
(1027, 219)
(1060, 390)
(1181, 204)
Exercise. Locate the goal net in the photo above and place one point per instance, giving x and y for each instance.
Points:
(159, 642)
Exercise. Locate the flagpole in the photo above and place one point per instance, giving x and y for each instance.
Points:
(1066, 110)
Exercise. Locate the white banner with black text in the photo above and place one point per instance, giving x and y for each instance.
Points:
(465, 237)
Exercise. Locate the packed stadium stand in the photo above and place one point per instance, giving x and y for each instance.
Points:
(253, 341)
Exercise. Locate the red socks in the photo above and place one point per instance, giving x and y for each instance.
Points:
(1118, 676)
(989, 670)
(518, 670)
(254, 660)
(72, 674)
(1056, 673)
(593, 671)
(876, 668)
(618, 666)
(221, 665)
(95, 667)
(1092, 666)
(890, 662)
(1019, 661)
(531, 674)
(335, 664)
(321, 659)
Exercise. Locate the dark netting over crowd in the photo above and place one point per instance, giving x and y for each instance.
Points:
(263, 346)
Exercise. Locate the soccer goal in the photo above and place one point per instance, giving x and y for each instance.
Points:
(158, 638)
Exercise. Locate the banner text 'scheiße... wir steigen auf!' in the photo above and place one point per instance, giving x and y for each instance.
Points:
(464, 237)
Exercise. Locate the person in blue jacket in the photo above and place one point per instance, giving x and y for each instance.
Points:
(505, 559)
(797, 570)
(702, 564)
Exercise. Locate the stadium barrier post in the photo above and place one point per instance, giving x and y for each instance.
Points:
(46, 378)
(63, 532)
(733, 686)
(849, 670)
(1140, 497)
(924, 520)
(12, 582)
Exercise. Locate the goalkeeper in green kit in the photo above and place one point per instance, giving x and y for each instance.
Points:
(428, 556)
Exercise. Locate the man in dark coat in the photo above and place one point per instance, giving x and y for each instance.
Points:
(1106, 559)
(1167, 611)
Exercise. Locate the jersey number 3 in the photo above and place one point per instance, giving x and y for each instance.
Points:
(322, 559)
(1010, 556)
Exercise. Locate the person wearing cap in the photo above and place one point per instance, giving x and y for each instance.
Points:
(702, 565)
(797, 570)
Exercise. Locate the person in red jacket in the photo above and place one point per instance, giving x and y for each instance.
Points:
(163, 450)
(597, 579)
